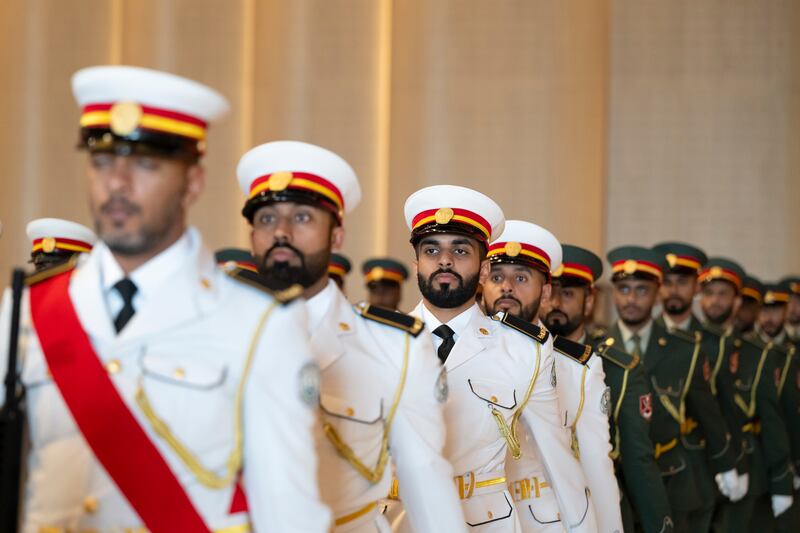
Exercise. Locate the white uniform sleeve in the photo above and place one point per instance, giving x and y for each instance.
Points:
(595, 445)
(280, 462)
(542, 418)
(417, 440)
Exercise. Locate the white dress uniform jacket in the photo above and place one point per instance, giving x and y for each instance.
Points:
(185, 347)
(581, 388)
(361, 363)
(490, 369)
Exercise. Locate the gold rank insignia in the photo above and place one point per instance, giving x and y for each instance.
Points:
(280, 180)
(125, 117)
(444, 215)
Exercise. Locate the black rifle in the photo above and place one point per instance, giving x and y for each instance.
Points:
(12, 420)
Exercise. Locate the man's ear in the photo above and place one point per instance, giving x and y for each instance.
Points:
(737, 304)
(195, 183)
(337, 238)
(484, 272)
(547, 291)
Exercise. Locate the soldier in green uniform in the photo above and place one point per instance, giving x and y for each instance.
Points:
(677, 294)
(338, 269)
(745, 366)
(629, 402)
(384, 278)
(680, 285)
(792, 325)
(752, 296)
(770, 330)
(674, 363)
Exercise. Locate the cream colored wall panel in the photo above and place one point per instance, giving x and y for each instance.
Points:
(704, 126)
(506, 97)
(43, 43)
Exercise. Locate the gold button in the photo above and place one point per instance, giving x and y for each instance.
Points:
(113, 366)
(494, 399)
(490, 515)
(205, 283)
(179, 373)
(484, 331)
(662, 341)
(350, 411)
(90, 505)
(344, 327)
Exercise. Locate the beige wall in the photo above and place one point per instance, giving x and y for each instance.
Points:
(533, 102)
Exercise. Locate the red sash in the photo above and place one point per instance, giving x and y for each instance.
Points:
(117, 440)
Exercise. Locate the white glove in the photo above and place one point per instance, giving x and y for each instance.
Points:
(728, 483)
(741, 489)
(796, 482)
(780, 504)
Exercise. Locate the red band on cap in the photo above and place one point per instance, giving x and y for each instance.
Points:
(459, 215)
(300, 181)
(528, 250)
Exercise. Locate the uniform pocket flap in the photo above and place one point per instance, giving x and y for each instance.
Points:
(494, 393)
(487, 508)
(350, 409)
(184, 372)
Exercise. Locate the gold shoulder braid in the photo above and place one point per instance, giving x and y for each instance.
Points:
(576, 450)
(615, 453)
(234, 462)
(679, 413)
(718, 364)
(750, 409)
(346, 452)
(510, 433)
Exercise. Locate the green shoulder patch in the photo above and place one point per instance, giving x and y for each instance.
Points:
(533, 331)
(575, 350)
(253, 279)
(619, 357)
(48, 273)
(396, 319)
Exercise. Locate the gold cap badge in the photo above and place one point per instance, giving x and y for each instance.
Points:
(630, 266)
(125, 117)
(513, 249)
(48, 245)
(444, 215)
(280, 180)
(672, 259)
(715, 272)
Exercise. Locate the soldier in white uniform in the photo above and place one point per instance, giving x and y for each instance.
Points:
(54, 241)
(517, 257)
(497, 367)
(381, 387)
(160, 395)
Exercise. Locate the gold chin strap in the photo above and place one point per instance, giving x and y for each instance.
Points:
(573, 429)
(617, 439)
(204, 475)
(347, 453)
(679, 413)
(510, 433)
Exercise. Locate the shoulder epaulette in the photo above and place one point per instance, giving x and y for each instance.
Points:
(575, 350)
(607, 350)
(254, 280)
(48, 273)
(396, 319)
(533, 331)
(689, 336)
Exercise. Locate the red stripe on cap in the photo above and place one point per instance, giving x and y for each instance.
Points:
(478, 220)
(148, 110)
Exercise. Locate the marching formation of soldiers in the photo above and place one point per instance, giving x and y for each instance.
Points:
(168, 389)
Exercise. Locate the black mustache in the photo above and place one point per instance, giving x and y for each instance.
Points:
(509, 297)
(286, 245)
(120, 203)
(446, 271)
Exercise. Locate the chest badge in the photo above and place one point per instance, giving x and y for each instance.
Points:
(646, 406)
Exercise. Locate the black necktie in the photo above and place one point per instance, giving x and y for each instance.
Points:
(126, 288)
(447, 334)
